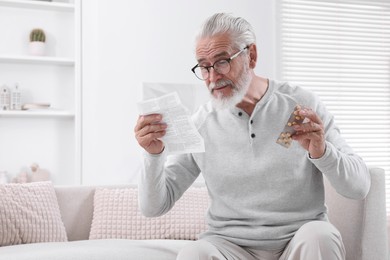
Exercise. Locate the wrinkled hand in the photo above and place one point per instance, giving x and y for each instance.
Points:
(310, 134)
(148, 130)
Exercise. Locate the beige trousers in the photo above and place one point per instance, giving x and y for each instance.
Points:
(316, 240)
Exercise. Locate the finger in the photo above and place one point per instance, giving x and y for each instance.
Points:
(146, 140)
(311, 136)
(300, 135)
(147, 119)
(311, 115)
(308, 127)
(151, 129)
(313, 142)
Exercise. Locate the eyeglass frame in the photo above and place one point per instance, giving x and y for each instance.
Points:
(228, 60)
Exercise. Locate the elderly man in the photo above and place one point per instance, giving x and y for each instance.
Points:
(267, 201)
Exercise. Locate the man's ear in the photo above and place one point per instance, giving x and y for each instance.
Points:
(252, 56)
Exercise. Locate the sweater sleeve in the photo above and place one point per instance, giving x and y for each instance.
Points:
(344, 169)
(163, 181)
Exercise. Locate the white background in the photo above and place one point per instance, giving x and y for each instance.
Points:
(126, 43)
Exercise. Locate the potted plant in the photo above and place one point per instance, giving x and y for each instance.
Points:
(37, 42)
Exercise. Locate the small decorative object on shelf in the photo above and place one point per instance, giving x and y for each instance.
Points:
(5, 98)
(29, 106)
(21, 178)
(39, 174)
(32, 174)
(16, 95)
(37, 42)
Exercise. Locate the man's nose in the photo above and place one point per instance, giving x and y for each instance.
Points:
(214, 75)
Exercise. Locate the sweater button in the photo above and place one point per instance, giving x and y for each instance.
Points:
(251, 121)
(253, 135)
(240, 113)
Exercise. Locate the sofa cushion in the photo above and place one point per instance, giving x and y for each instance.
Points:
(116, 215)
(112, 249)
(29, 213)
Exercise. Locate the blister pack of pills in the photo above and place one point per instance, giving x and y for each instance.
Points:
(285, 138)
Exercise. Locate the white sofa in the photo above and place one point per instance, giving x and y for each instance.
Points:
(362, 225)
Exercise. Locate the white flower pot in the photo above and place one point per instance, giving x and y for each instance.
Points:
(37, 48)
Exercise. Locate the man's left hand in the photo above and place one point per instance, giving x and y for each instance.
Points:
(310, 134)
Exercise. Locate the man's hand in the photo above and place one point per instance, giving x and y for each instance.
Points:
(148, 130)
(311, 134)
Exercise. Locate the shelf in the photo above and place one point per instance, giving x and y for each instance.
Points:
(39, 5)
(43, 60)
(37, 113)
(54, 132)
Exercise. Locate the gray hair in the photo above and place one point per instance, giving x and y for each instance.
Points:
(240, 31)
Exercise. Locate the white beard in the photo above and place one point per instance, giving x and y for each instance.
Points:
(239, 90)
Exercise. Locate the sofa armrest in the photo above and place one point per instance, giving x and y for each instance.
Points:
(362, 223)
(374, 240)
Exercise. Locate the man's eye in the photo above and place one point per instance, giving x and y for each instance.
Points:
(221, 62)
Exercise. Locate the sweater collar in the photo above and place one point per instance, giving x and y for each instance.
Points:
(270, 90)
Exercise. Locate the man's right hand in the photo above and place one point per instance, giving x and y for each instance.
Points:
(148, 130)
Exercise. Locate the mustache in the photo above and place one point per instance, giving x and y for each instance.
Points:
(220, 83)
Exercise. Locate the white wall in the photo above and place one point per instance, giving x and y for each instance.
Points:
(130, 42)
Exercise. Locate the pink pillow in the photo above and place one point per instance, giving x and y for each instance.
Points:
(29, 213)
(116, 215)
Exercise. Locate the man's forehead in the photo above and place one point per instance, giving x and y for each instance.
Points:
(213, 46)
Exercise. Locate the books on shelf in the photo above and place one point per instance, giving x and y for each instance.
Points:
(29, 106)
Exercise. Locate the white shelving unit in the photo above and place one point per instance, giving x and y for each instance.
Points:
(37, 60)
(39, 5)
(50, 137)
(37, 113)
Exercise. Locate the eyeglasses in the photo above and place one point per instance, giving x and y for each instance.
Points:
(220, 66)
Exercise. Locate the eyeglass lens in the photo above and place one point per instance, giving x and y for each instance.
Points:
(221, 67)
